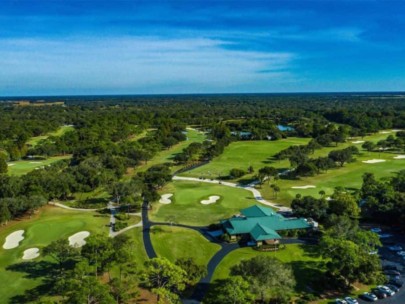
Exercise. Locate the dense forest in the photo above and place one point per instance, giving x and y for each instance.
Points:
(109, 137)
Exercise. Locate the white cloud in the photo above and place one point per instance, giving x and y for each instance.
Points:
(136, 64)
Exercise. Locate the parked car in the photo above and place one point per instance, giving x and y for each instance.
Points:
(350, 300)
(376, 230)
(385, 235)
(369, 297)
(391, 267)
(393, 287)
(392, 272)
(395, 248)
(401, 253)
(396, 282)
(386, 290)
(379, 293)
(340, 301)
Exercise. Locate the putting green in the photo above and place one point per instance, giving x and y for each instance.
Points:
(186, 207)
(50, 224)
(175, 242)
(22, 167)
(242, 154)
(304, 260)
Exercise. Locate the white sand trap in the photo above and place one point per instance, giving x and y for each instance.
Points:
(165, 199)
(399, 157)
(35, 162)
(30, 254)
(10, 165)
(358, 142)
(13, 239)
(304, 187)
(77, 239)
(385, 132)
(211, 200)
(373, 161)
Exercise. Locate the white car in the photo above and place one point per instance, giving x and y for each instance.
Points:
(350, 300)
(387, 290)
(401, 253)
(340, 301)
(376, 230)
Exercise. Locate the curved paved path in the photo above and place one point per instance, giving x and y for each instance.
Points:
(256, 193)
(70, 208)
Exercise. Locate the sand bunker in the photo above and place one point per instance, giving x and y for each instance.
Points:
(35, 162)
(358, 142)
(304, 187)
(165, 198)
(373, 161)
(399, 157)
(10, 165)
(13, 239)
(30, 254)
(77, 239)
(211, 200)
(385, 132)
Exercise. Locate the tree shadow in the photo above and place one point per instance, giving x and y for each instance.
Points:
(33, 294)
(34, 270)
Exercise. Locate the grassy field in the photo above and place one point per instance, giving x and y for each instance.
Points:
(140, 253)
(187, 209)
(22, 167)
(50, 224)
(242, 154)
(349, 176)
(304, 260)
(175, 242)
(167, 155)
(62, 130)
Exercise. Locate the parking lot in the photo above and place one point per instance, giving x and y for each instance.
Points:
(389, 257)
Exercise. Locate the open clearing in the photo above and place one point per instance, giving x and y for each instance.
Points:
(242, 154)
(49, 224)
(187, 208)
(165, 156)
(22, 167)
(175, 242)
(62, 130)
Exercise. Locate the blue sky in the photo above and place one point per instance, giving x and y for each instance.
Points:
(53, 47)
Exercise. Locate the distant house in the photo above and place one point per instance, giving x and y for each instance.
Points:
(260, 225)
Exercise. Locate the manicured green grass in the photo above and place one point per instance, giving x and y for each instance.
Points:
(62, 130)
(242, 154)
(165, 156)
(186, 207)
(175, 242)
(50, 224)
(140, 253)
(349, 176)
(304, 260)
(22, 167)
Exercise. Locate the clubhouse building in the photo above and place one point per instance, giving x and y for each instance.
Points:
(260, 226)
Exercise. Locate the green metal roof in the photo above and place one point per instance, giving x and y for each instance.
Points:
(261, 233)
(268, 222)
(257, 211)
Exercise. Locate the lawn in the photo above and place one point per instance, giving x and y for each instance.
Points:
(304, 260)
(349, 176)
(165, 156)
(22, 167)
(242, 154)
(62, 130)
(175, 242)
(140, 254)
(50, 224)
(186, 207)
